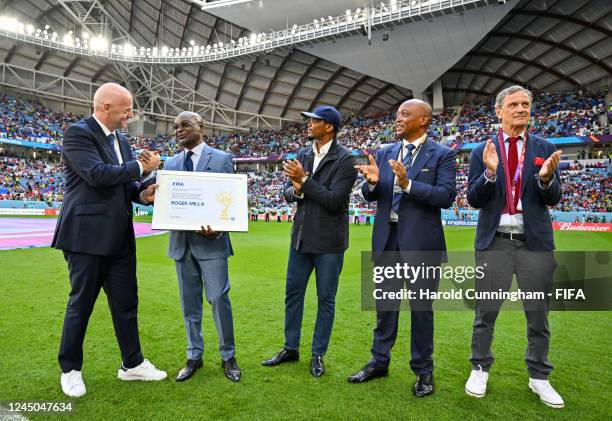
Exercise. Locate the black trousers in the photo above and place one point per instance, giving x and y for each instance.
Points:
(88, 274)
(387, 318)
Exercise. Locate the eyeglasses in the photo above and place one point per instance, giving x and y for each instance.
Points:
(186, 123)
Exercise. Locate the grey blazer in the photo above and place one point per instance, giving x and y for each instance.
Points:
(202, 248)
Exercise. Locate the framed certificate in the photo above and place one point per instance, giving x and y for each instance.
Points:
(185, 201)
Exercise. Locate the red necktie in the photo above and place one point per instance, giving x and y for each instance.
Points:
(512, 164)
(512, 156)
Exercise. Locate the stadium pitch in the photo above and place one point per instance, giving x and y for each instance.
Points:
(35, 289)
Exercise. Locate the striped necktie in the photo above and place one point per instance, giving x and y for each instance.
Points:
(397, 197)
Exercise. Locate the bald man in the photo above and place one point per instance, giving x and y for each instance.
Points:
(95, 232)
(412, 181)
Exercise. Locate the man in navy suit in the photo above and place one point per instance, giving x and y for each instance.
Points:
(514, 236)
(95, 232)
(201, 257)
(411, 181)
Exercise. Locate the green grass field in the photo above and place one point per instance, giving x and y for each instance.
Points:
(35, 287)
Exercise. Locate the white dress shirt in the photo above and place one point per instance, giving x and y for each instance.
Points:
(107, 132)
(514, 223)
(319, 155)
(197, 153)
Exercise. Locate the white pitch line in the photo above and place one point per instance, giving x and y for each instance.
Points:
(13, 236)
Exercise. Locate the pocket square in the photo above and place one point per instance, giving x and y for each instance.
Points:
(425, 170)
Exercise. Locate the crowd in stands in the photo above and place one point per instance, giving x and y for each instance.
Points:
(266, 190)
(558, 114)
(586, 188)
(24, 179)
(554, 115)
(28, 120)
(462, 183)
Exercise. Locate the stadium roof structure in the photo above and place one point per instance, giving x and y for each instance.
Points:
(543, 44)
(547, 45)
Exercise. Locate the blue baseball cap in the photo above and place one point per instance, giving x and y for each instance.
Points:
(326, 113)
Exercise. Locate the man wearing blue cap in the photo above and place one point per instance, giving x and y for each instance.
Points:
(320, 181)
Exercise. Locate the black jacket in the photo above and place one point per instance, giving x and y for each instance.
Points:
(321, 222)
(96, 215)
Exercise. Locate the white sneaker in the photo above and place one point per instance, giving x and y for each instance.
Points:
(476, 385)
(547, 394)
(145, 371)
(72, 384)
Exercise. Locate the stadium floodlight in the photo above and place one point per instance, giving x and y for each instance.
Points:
(98, 43)
(127, 49)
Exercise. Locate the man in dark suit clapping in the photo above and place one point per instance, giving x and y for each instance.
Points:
(513, 179)
(411, 180)
(96, 234)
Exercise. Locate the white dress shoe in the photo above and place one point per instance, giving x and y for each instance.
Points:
(72, 384)
(476, 385)
(547, 394)
(145, 372)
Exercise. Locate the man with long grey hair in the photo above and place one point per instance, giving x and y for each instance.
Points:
(513, 179)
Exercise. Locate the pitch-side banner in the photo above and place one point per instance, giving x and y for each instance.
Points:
(582, 226)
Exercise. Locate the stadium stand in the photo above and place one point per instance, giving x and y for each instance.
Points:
(562, 114)
(575, 113)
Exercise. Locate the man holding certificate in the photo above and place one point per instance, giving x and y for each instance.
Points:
(320, 181)
(201, 256)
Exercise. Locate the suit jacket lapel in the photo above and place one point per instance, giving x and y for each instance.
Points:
(421, 158)
(204, 158)
(501, 174)
(101, 138)
(528, 143)
(392, 153)
(179, 162)
(125, 148)
(308, 161)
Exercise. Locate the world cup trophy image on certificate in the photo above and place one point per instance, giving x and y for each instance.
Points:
(185, 201)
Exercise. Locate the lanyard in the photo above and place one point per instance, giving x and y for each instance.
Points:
(519, 166)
